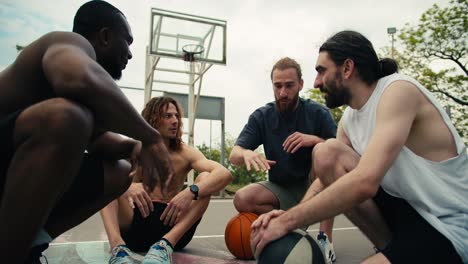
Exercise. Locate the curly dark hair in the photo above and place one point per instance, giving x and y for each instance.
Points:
(154, 112)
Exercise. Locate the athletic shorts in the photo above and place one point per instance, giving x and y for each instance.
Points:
(144, 232)
(87, 186)
(414, 240)
(288, 196)
(7, 127)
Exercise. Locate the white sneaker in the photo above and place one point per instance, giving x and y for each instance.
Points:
(159, 253)
(121, 255)
(327, 247)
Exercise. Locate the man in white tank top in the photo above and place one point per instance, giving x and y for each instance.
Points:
(397, 169)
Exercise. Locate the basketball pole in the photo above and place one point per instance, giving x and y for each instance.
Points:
(167, 42)
(191, 113)
(191, 103)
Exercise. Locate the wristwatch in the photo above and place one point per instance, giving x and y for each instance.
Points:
(194, 189)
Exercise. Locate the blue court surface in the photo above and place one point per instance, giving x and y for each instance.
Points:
(87, 243)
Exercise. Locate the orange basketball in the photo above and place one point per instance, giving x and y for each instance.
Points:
(237, 235)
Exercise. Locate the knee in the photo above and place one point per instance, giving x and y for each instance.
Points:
(243, 201)
(116, 175)
(325, 156)
(70, 119)
(65, 121)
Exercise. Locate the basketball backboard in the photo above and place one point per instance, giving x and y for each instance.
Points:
(170, 31)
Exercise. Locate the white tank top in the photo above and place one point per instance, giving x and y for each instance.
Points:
(438, 191)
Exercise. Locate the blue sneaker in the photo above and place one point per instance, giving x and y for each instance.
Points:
(159, 253)
(327, 247)
(121, 255)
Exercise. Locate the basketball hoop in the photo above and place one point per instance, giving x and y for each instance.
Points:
(191, 51)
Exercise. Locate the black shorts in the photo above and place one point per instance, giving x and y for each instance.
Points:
(414, 240)
(87, 186)
(144, 232)
(7, 127)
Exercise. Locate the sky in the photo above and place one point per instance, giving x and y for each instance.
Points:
(259, 32)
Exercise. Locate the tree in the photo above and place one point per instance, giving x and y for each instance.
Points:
(434, 52)
(19, 48)
(316, 95)
(240, 174)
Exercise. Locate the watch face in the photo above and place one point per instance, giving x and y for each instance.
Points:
(194, 190)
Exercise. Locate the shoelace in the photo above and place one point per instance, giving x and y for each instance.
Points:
(116, 251)
(160, 257)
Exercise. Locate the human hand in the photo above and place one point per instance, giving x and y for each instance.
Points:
(297, 140)
(264, 219)
(136, 194)
(261, 236)
(257, 161)
(156, 167)
(177, 208)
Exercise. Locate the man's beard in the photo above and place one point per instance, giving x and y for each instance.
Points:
(113, 69)
(336, 93)
(115, 73)
(289, 107)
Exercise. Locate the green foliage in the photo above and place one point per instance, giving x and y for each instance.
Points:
(240, 174)
(316, 95)
(434, 52)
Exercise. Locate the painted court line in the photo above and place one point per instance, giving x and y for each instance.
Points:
(208, 236)
(221, 200)
(309, 230)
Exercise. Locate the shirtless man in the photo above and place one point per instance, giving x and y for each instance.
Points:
(160, 224)
(398, 168)
(57, 100)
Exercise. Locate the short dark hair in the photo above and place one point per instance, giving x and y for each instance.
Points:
(94, 15)
(353, 45)
(287, 63)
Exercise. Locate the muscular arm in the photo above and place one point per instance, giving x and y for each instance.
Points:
(218, 178)
(70, 67)
(395, 115)
(112, 146)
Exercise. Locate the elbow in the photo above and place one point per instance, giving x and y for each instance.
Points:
(367, 190)
(228, 178)
(367, 182)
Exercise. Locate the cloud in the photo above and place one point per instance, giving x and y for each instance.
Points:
(259, 33)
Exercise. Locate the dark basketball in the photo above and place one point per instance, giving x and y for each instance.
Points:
(297, 247)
